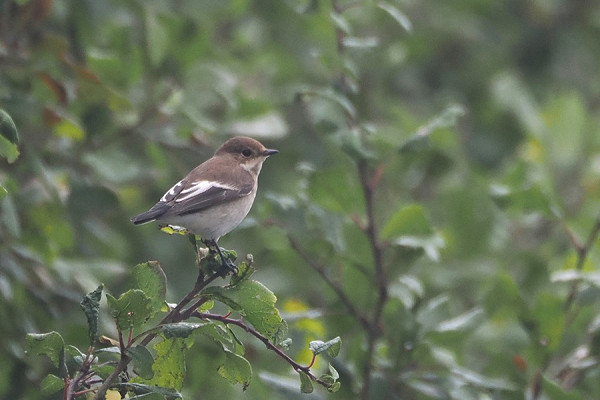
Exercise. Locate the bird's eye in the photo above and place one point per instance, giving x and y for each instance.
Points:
(246, 152)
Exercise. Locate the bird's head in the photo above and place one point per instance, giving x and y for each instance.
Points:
(250, 153)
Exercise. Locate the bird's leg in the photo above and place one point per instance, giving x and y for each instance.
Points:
(212, 246)
(193, 239)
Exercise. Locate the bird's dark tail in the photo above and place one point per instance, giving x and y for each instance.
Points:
(156, 211)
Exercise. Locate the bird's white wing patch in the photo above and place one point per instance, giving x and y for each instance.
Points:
(197, 188)
(172, 192)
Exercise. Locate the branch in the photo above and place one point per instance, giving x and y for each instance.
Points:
(238, 322)
(582, 254)
(374, 328)
(339, 291)
(173, 316)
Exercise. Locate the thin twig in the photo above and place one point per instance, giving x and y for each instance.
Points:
(339, 291)
(238, 322)
(173, 316)
(374, 327)
(582, 254)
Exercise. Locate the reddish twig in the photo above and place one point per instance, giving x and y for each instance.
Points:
(239, 323)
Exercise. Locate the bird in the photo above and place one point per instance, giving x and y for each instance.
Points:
(215, 197)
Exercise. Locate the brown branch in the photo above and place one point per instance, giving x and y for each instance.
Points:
(582, 254)
(368, 182)
(239, 323)
(339, 291)
(174, 315)
(374, 327)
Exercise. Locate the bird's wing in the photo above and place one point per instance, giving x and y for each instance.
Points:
(197, 196)
(189, 197)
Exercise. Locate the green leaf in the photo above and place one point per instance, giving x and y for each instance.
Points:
(528, 199)
(553, 391)
(3, 192)
(462, 322)
(409, 220)
(50, 344)
(549, 315)
(131, 309)
(142, 361)
(69, 128)
(422, 139)
(332, 347)
(9, 137)
(169, 364)
(431, 245)
(91, 307)
(181, 329)
(8, 150)
(245, 271)
(157, 37)
(333, 372)
(8, 129)
(143, 390)
(150, 278)
(398, 15)
(51, 384)
(254, 301)
(335, 387)
(306, 385)
(236, 369)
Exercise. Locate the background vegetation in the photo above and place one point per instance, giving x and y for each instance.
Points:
(435, 203)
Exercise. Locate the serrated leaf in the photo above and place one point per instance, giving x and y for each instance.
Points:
(408, 220)
(168, 366)
(52, 384)
(131, 309)
(151, 279)
(50, 344)
(306, 385)
(332, 347)
(254, 301)
(142, 361)
(91, 307)
(236, 369)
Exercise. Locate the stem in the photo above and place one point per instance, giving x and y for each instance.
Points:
(373, 329)
(582, 254)
(173, 316)
(336, 287)
(238, 322)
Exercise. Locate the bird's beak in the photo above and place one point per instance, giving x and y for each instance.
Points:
(268, 152)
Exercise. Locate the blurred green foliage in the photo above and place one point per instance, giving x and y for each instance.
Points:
(475, 124)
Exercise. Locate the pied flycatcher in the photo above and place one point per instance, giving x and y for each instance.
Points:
(216, 195)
